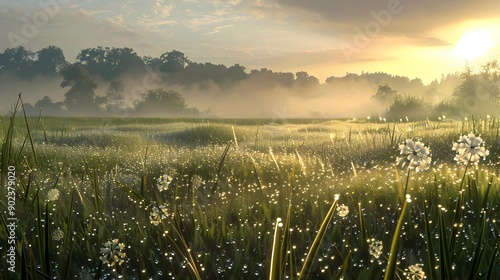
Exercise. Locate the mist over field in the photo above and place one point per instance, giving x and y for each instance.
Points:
(208, 89)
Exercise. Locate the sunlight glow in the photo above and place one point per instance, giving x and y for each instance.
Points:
(474, 44)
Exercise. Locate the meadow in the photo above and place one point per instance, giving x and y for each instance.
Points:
(132, 198)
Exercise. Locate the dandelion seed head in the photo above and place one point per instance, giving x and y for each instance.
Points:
(163, 182)
(52, 195)
(342, 210)
(57, 235)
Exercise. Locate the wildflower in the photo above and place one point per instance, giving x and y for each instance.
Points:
(158, 214)
(57, 234)
(416, 155)
(112, 253)
(415, 272)
(53, 195)
(375, 248)
(197, 181)
(469, 148)
(163, 182)
(342, 210)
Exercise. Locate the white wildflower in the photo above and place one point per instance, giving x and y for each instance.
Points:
(375, 248)
(112, 253)
(342, 210)
(415, 155)
(163, 182)
(469, 148)
(415, 272)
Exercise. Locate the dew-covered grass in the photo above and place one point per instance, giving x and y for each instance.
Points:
(247, 199)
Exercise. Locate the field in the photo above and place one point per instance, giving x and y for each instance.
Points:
(245, 199)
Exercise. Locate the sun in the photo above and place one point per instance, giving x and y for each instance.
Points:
(473, 44)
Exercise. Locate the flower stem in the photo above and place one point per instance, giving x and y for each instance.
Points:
(407, 182)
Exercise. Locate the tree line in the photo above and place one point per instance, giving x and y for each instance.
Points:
(472, 92)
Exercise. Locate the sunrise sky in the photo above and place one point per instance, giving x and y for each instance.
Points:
(419, 38)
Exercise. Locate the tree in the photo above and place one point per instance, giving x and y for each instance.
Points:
(50, 60)
(81, 96)
(17, 60)
(114, 95)
(173, 61)
(303, 79)
(159, 102)
(479, 93)
(48, 107)
(109, 63)
(385, 95)
(410, 106)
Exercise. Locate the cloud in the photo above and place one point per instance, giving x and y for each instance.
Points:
(218, 29)
(415, 16)
(161, 9)
(67, 28)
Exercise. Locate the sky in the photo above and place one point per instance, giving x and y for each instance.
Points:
(414, 38)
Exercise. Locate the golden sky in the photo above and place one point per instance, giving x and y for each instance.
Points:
(414, 38)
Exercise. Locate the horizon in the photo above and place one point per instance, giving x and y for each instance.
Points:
(323, 38)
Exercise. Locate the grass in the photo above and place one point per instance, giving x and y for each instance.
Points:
(231, 181)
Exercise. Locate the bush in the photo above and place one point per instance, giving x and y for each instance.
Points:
(409, 106)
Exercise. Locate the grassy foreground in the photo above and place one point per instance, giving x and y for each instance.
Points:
(245, 199)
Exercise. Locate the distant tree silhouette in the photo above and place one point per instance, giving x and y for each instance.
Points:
(173, 62)
(48, 107)
(479, 93)
(109, 63)
(385, 95)
(114, 96)
(50, 60)
(163, 103)
(17, 60)
(80, 98)
(409, 106)
(303, 79)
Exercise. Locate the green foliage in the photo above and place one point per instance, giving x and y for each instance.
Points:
(168, 103)
(408, 106)
(479, 93)
(81, 96)
(385, 95)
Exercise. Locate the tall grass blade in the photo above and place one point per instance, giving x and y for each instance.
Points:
(430, 247)
(343, 268)
(390, 270)
(219, 168)
(456, 220)
(33, 150)
(301, 162)
(444, 253)
(479, 252)
(274, 159)
(256, 171)
(48, 269)
(491, 266)
(276, 258)
(95, 184)
(7, 144)
(364, 233)
(129, 191)
(313, 251)
(234, 136)
(486, 194)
